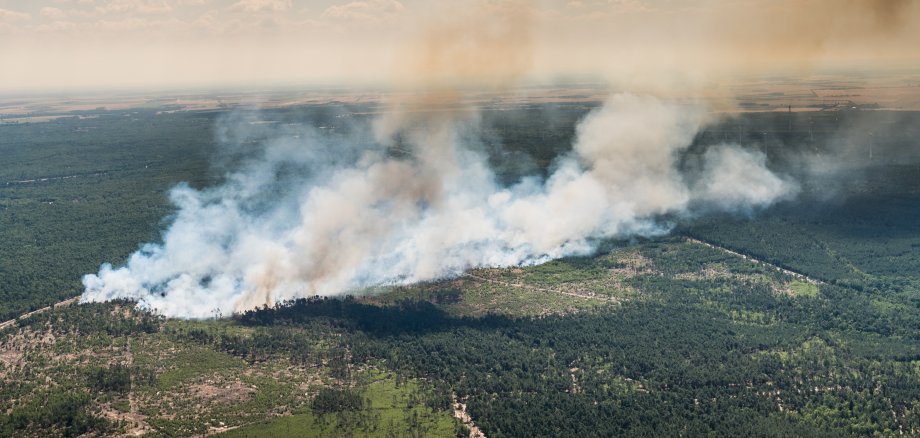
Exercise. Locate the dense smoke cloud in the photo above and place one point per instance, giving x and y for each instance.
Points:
(346, 217)
(319, 214)
(736, 179)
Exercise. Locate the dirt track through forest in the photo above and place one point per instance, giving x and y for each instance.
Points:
(66, 302)
(763, 263)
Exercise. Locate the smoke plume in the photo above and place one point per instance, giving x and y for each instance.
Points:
(412, 200)
(347, 217)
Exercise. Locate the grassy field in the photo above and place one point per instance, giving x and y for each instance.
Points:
(393, 409)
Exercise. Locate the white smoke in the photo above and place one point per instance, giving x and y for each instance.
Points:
(735, 179)
(355, 217)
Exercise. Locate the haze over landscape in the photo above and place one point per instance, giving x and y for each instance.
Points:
(435, 218)
(150, 44)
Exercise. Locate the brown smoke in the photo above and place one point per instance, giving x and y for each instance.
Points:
(889, 14)
(797, 31)
(485, 43)
(700, 48)
(482, 44)
(385, 221)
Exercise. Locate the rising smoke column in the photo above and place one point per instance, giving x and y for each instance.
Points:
(379, 220)
(321, 215)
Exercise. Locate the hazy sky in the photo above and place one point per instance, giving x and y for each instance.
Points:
(48, 45)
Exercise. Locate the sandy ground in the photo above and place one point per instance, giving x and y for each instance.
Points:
(461, 414)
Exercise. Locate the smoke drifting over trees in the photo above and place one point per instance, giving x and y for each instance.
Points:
(323, 215)
(351, 217)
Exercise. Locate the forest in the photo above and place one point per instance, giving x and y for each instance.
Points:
(674, 338)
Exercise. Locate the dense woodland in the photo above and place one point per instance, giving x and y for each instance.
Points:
(702, 343)
(696, 357)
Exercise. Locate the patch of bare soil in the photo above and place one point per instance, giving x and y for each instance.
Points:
(136, 423)
(631, 264)
(579, 294)
(461, 414)
(231, 392)
(709, 272)
(10, 358)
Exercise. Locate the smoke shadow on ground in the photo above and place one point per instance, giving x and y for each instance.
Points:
(404, 318)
